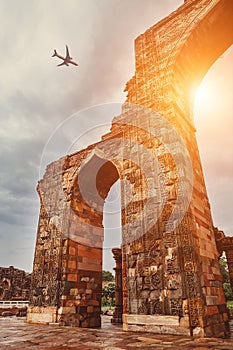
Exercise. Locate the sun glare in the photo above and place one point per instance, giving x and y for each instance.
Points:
(204, 94)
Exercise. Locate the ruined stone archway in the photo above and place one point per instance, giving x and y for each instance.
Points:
(171, 277)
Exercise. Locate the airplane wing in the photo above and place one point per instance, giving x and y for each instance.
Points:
(62, 64)
(67, 54)
(59, 56)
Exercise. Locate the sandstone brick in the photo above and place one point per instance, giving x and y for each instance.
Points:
(74, 291)
(72, 277)
(184, 322)
(212, 310)
(72, 251)
(90, 309)
(151, 319)
(72, 264)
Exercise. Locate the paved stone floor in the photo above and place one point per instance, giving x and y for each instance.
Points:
(15, 334)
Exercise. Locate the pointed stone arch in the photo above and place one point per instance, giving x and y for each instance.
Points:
(170, 273)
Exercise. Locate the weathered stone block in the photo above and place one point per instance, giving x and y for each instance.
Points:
(184, 322)
(198, 332)
(151, 320)
(66, 310)
(72, 251)
(41, 314)
(85, 279)
(73, 291)
(72, 277)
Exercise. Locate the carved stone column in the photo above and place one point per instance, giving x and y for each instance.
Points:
(117, 316)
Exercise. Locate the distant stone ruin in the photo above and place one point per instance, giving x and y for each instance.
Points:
(14, 284)
(168, 275)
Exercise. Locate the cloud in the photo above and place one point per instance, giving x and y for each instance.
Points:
(37, 96)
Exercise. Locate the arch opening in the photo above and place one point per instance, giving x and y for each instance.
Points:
(100, 189)
(112, 225)
(112, 295)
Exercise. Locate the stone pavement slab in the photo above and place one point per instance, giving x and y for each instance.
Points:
(15, 334)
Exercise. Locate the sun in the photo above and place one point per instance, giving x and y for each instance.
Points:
(204, 93)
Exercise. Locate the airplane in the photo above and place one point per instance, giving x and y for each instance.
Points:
(66, 60)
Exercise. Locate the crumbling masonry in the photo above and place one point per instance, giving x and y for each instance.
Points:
(14, 284)
(171, 280)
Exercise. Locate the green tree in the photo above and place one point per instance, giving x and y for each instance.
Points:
(108, 295)
(225, 278)
(107, 276)
(224, 270)
(228, 291)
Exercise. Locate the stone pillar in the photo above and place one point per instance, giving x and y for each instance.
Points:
(117, 316)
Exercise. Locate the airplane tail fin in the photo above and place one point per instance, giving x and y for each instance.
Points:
(54, 53)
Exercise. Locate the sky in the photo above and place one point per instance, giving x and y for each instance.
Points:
(48, 111)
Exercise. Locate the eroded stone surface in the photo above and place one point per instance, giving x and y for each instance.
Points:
(14, 284)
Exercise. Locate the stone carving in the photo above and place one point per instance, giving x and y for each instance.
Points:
(157, 308)
(157, 281)
(176, 307)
